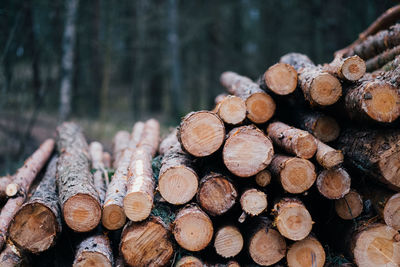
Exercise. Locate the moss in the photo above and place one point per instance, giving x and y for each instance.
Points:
(156, 165)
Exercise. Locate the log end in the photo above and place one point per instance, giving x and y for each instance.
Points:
(263, 178)
(353, 68)
(281, 79)
(334, 183)
(326, 129)
(189, 261)
(253, 202)
(390, 169)
(325, 90)
(260, 107)
(232, 110)
(304, 145)
(391, 212)
(307, 252)
(113, 217)
(137, 205)
(332, 158)
(91, 258)
(267, 247)
(350, 206)
(297, 175)
(228, 241)
(12, 189)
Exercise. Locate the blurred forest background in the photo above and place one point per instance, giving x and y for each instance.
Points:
(121, 61)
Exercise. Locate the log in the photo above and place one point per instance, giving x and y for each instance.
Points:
(216, 194)
(4, 182)
(146, 243)
(219, 98)
(11, 256)
(266, 245)
(168, 142)
(259, 105)
(189, 261)
(232, 264)
(177, 180)
(94, 251)
(139, 197)
(150, 138)
(375, 153)
(107, 160)
(37, 223)
(296, 175)
(333, 183)
(201, 133)
(120, 143)
(100, 174)
(327, 156)
(280, 78)
(349, 68)
(231, 109)
(228, 241)
(79, 199)
(292, 219)
(323, 127)
(192, 228)
(24, 178)
(292, 140)
(263, 178)
(350, 206)
(319, 87)
(382, 59)
(253, 202)
(247, 151)
(307, 252)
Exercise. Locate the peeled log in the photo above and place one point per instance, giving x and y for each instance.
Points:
(38, 222)
(120, 143)
(189, 261)
(307, 252)
(319, 87)
(201, 133)
(259, 105)
(94, 251)
(292, 140)
(280, 78)
(350, 206)
(231, 109)
(147, 243)
(192, 228)
(349, 68)
(228, 241)
(327, 156)
(334, 183)
(216, 194)
(247, 151)
(323, 127)
(296, 175)
(79, 199)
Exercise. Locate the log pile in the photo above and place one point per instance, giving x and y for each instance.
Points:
(299, 168)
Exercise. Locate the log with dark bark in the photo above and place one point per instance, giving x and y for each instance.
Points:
(292, 140)
(349, 68)
(120, 143)
(319, 87)
(228, 241)
(24, 178)
(334, 183)
(247, 151)
(11, 256)
(231, 109)
(382, 59)
(259, 105)
(280, 78)
(263, 178)
(307, 252)
(189, 261)
(201, 133)
(350, 206)
(94, 251)
(37, 224)
(327, 156)
(79, 199)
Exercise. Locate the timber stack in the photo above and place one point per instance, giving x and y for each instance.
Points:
(298, 168)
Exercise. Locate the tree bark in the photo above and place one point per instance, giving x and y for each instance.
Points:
(228, 241)
(380, 60)
(11, 256)
(120, 143)
(150, 138)
(350, 206)
(307, 252)
(100, 174)
(280, 78)
(327, 156)
(333, 183)
(94, 251)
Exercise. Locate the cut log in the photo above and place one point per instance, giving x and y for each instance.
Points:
(228, 241)
(296, 175)
(232, 264)
(375, 100)
(147, 243)
(266, 245)
(38, 222)
(231, 109)
(139, 197)
(259, 105)
(94, 251)
(323, 127)
(79, 199)
(349, 68)
(280, 78)
(327, 156)
(216, 194)
(350, 206)
(292, 219)
(334, 183)
(107, 160)
(292, 140)
(219, 98)
(11, 256)
(307, 252)
(189, 261)
(177, 180)
(319, 87)
(263, 178)
(247, 151)
(24, 178)
(4, 182)
(96, 154)
(168, 142)
(192, 228)
(120, 143)
(253, 202)
(376, 153)
(150, 138)
(382, 59)
(201, 133)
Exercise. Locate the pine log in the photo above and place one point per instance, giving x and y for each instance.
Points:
(296, 175)
(253, 202)
(260, 106)
(79, 199)
(107, 160)
(24, 178)
(146, 243)
(120, 143)
(168, 142)
(219, 98)
(228, 241)
(94, 251)
(192, 228)
(11, 256)
(319, 87)
(247, 151)
(100, 174)
(37, 223)
(382, 59)
(280, 78)
(177, 180)
(307, 252)
(139, 197)
(232, 264)
(292, 140)
(189, 261)
(349, 68)
(333, 183)
(327, 156)
(4, 182)
(216, 194)
(350, 206)
(376, 153)
(231, 109)
(150, 138)
(323, 127)
(263, 178)
(292, 219)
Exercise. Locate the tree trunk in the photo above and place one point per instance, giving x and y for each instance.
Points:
(11, 256)
(94, 251)
(382, 59)
(120, 143)
(333, 183)
(150, 138)
(349, 68)
(231, 109)
(327, 156)
(228, 241)
(350, 206)
(100, 174)
(280, 78)
(323, 127)
(307, 252)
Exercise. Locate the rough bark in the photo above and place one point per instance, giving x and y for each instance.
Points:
(350, 206)
(280, 78)
(323, 127)
(120, 143)
(333, 183)
(260, 106)
(349, 68)
(382, 59)
(231, 109)
(228, 241)
(94, 251)
(100, 174)
(327, 156)
(150, 138)
(11, 256)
